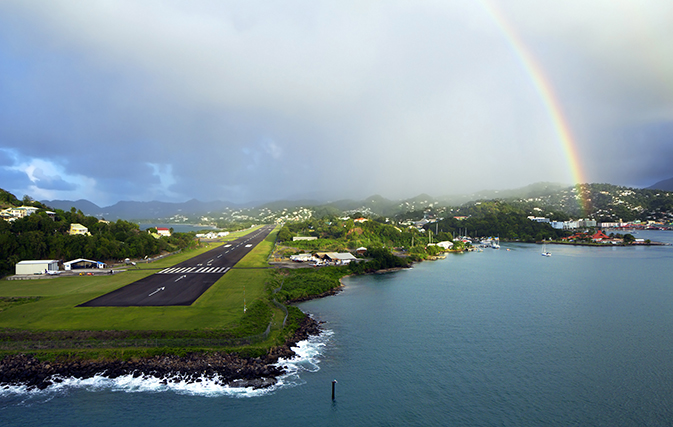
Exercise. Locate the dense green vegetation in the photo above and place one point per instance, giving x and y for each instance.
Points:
(303, 283)
(498, 219)
(40, 236)
(379, 259)
(8, 199)
(336, 234)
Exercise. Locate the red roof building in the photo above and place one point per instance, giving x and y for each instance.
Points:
(163, 231)
(599, 236)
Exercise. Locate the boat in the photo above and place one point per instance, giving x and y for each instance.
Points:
(545, 252)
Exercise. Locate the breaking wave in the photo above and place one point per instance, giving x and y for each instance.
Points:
(307, 360)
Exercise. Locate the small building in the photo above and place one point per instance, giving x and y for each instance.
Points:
(296, 238)
(163, 231)
(301, 257)
(82, 263)
(361, 250)
(599, 236)
(565, 225)
(446, 245)
(36, 266)
(16, 212)
(604, 225)
(23, 211)
(340, 258)
(79, 229)
(587, 223)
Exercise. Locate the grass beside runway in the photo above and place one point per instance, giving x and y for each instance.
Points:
(258, 257)
(219, 309)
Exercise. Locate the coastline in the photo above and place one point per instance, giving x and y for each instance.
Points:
(228, 369)
(606, 245)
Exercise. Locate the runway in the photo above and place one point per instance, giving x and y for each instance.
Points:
(185, 282)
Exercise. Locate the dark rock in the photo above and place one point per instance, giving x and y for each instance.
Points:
(231, 369)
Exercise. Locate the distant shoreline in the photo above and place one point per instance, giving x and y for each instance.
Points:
(606, 245)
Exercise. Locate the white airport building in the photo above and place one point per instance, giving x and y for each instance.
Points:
(36, 266)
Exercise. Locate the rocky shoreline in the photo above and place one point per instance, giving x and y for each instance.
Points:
(224, 368)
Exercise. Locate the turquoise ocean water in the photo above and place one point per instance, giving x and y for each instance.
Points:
(500, 337)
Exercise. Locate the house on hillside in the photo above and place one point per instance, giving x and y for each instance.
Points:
(78, 229)
(13, 213)
(163, 231)
(539, 219)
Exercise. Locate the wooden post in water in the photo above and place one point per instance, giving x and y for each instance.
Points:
(333, 386)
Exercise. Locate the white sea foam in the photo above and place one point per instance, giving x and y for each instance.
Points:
(307, 360)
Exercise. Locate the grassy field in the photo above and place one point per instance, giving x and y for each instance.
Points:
(221, 307)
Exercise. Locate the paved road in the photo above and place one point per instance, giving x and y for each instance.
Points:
(183, 283)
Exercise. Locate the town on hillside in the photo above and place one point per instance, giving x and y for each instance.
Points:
(338, 234)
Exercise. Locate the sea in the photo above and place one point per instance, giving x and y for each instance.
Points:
(494, 338)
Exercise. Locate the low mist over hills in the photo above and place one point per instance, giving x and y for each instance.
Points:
(376, 204)
(607, 201)
(142, 210)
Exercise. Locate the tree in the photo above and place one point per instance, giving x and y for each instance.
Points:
(285, 235)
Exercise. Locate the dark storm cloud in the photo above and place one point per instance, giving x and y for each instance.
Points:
(640, 156)
(254, 100)
(12, 179)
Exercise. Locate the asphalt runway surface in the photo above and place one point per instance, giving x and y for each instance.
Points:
(183, 283)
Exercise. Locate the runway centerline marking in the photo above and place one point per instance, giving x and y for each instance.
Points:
(158, 290)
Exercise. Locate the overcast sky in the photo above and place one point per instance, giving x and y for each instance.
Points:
(246, 100)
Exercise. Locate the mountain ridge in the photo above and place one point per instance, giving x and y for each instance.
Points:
(664, 185)
(375, 204)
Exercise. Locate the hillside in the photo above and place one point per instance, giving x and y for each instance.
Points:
(44, 235)
(129, 210)
(606, 202)
(665, 185)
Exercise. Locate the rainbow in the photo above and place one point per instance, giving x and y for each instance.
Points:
(549, 99)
